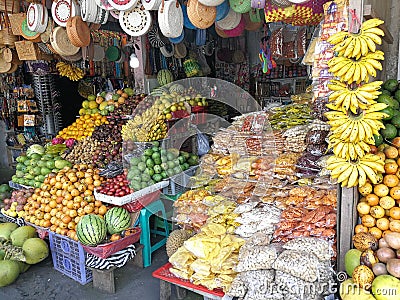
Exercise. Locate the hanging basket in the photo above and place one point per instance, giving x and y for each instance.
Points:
(123, 4)
(9, 38)
(151, 4)
(78, 32)
(4, 66)
(211, 2)
(255, 15)
(135, 22)
(238, 30)
(62, 10)
(16, 22)
(259, 4)
(222, 10)
(170, 19)
(60, 42)
(180, 50)
(9, 6)
(200, 15)
(27, 50)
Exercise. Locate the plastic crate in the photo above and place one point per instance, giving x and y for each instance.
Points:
(69, 258)
(178, 184)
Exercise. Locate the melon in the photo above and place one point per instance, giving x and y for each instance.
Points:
(164, 76)
(117, 220)
(91, 230)
(9, 272)
(35, 250)
(352, 260)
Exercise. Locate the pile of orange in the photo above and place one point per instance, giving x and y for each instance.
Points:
(64, 198)
(82, 127)
(379, 206)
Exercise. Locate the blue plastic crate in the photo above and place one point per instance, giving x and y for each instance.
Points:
(69, 258)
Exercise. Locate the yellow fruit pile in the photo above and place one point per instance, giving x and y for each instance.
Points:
(82, 127)
(379, 208)
(64, 198)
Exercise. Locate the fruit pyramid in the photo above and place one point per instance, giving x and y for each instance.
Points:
(354, 114)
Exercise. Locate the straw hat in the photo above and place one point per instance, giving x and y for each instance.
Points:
(201, 16)
(170, 19)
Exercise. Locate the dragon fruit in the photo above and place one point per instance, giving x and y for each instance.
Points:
(70, 142)
(57, 141)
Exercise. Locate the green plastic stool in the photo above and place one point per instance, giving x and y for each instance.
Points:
(144, 220)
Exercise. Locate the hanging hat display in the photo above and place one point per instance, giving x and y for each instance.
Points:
(231, 21)
(136, 21)
(168, 50)
(170, 19)
(60, 42)
(103, 4)
(200, 15)
(211, 2)
(178, 39)
(28, 34)
(37, 17)
(154, 37)
(238, 30)
(186, 21)
(78, 32)
(249, 24)
(259, 4)
(180, 50)
(255, 15)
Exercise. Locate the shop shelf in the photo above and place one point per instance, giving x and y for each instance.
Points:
(69, 258)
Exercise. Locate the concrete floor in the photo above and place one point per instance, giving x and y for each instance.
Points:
(43, 282)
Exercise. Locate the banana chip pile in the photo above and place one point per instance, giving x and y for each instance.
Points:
(222, 214)
(208, 258)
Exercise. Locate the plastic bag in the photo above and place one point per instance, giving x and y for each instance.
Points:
(203, 145)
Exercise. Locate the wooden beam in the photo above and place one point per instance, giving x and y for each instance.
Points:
(369, 13)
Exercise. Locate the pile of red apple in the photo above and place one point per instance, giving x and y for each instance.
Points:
(117, 186)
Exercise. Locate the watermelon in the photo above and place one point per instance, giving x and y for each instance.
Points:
(91, 230)
(117, 220)
(164, 77)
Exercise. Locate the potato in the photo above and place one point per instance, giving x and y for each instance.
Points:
(393, 267)
(393, 240)
(379, 269)
(383, 243)
(384, 254)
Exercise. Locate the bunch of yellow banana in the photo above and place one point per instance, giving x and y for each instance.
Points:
(353, 128)
(344, 97)
(352, 45)
(349, 70)
(71, 72)
(351, 173)
(149, 126)
(348, 150)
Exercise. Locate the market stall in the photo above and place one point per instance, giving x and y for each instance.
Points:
(253, 137)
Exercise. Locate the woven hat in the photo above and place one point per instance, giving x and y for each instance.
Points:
(180, 50)
(10, 55)
(281, 3)
(238, 30)
(123, 4)
(200, 15)
(9, 38)
(231, 21)
(168, 50)
(240, 6)
(260, 4)
(103, 4)
(222, 10)
(178, 39)
(221, 33)
(151, 4)
(211, 2)
(62, 10)
(60, 42)
(78, 32)
(170, 19)
(136, 21)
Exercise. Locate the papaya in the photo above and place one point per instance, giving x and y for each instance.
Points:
(352, 260)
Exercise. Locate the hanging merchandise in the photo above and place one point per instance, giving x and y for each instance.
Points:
(103, 4)
(178, 39)
(154, 37)
(151, 4)
(238, 30)
(240, 6)
(192, 67)
(170, 19)
(62, 10)
(92, 13)
(250, 25)
(123, 4)
(258, 4)
(211, 2)
(28, 34)
(78, 32)
(308, 13)
(115, 14)
(180, 50)
(168, 50)
(186, 21)
(222, 10)
(230, 22)
(60, 42)
(201, 37)
(135, 22)
(200, 15)
(37, 18)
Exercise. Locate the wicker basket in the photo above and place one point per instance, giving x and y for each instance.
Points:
(78, 32)
(10, 55)
(16, 22)
(9, 38)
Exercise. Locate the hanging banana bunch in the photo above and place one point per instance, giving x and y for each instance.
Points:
(355, 116)
(71, 72)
